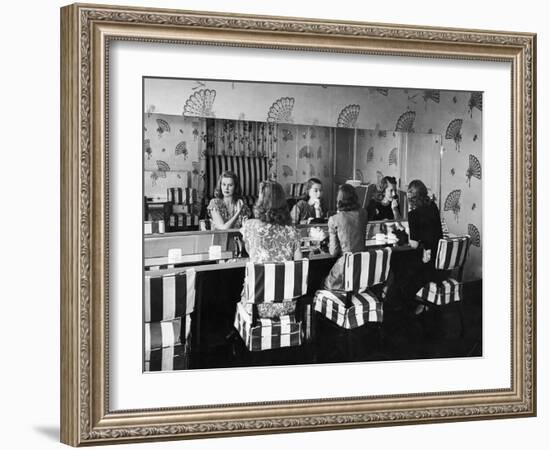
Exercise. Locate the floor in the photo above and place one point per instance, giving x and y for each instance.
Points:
(436, 333)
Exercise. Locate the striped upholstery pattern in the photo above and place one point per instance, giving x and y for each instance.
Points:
(365, 269)
(267, 334)
(271, 283)
(181, 196)
(365, 308)
(169, 296)
(297, 189)
(164, 349)
(168, 304)
(452, 252)
(451, 255)
(361, 270)
(443, 293)
(251, 170)
(275, 282)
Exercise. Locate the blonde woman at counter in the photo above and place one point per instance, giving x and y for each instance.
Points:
(227, 209)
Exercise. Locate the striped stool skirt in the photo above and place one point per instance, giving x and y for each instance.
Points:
(271, 283)
(164, 347)
(267, 334)
(365, 307)
(442, 293)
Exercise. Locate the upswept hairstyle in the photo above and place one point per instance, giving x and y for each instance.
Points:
(310, 183)
(384, 182)
(417, 194)
(271, 206)
(347, 199)
(237, 192)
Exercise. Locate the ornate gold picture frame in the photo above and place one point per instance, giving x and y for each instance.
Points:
(87, 31)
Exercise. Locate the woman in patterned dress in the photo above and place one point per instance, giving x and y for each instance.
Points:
(270, 237)
(227, 209)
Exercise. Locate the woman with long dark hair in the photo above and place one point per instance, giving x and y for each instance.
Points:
(310, 206)
(424, 234)
(227, 209)
(270, 237)
(347, 232)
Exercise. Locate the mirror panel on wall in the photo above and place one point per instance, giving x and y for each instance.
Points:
(192, 158)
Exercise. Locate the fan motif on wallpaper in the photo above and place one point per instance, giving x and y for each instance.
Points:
(452, 202)
(474, 235)
(392, 159)
(432, 95)
(476, 101)
(162, 168)
(454, 132)
(474, 169)
(163, 127)
(348, 116)
(181, 149)
(311, 170)
(405, 122)
(287, 171)
(281, 110)
(320, 152)
(305, 152)
(370, 154)
(200, 103)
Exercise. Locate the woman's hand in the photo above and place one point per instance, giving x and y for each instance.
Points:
(239, 206)
(426, 255)
(394, 204)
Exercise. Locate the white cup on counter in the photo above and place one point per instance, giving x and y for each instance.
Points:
(174, 254)
(215, 251)
(380, 237)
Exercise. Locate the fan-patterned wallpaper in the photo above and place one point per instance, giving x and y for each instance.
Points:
(455, 115)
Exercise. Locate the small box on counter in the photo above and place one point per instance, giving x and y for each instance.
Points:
(154, 227)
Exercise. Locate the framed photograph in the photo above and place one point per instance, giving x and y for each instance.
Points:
(280, 224)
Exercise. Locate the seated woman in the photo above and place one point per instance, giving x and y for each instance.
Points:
(424, 234)
(227, 209)
(347, 233)
(386, 206)
(310, 206)
(270, 237)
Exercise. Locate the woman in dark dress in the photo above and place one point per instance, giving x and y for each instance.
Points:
(386, 206)
(424, 234)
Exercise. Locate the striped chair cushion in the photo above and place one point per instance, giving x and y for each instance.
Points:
(267, 334)
(251, 170)
(167, 358)
(275, 282)
(332, 304)
(169, 296)
(365, 269)
(452, 252)
(181, 196)
(168, 333)
(442, 293)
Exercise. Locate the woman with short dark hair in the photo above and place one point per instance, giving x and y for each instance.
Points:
(270, 237)
(386, 204)
(347, 233)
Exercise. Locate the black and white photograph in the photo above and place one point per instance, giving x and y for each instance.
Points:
(295, 224)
